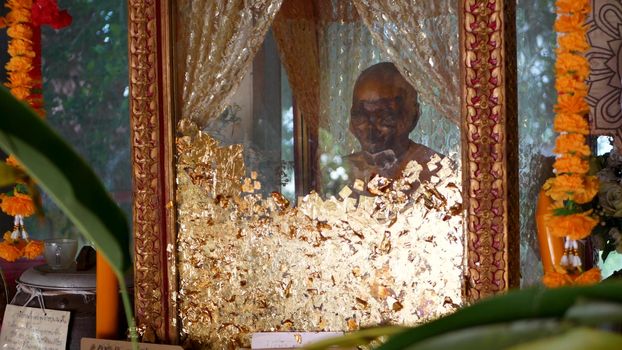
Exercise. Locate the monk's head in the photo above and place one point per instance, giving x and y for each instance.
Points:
(384, 109)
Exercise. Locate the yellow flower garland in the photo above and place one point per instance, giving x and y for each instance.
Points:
(571, 182)
(20, 82)
(20, 33)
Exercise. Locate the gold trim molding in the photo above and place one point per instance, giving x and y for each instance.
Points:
(489, 140)
(151, 121)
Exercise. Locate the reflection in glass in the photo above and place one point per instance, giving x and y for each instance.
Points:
(288, 177)
(536, 97)
(85, 86)
(346, 49)
(336, 257)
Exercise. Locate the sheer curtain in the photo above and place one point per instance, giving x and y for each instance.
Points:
(296, 32)
(421, 38)
(325, 45)
(217, 40)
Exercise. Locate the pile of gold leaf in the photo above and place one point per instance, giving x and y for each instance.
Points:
(249, 263)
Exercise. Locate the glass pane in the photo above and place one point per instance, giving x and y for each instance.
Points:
(536, 98)
(288, 177)
(349, 49)
(337, 251)
(85, 86)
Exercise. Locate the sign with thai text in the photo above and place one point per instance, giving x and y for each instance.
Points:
(104, 344)
(34, 328)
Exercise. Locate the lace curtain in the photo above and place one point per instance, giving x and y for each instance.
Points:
(217, 42)
(421, 38)
(296, 32)
(325, 45)
(218, 39)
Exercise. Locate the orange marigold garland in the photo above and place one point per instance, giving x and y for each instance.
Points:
(23, 23)
(571, 186)
(17, 204)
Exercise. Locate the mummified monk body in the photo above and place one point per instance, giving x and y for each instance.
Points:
(384, 112)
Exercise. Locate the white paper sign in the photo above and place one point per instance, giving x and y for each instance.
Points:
(288, 340)
(104, 344)
(32, 328)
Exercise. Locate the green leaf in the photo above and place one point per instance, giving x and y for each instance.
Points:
(577, 339)
(71, 184)
(9, 175)
(361, 337)
(594, 312)
(563, 211)
(66, 178)
(498, 336)
(525, 304)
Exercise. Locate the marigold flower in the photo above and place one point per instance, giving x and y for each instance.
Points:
(568, 63)
(571, 122)
(561, 187)
(18, 15)
(569, 84)
(3, 22)
(590, 188)
(554, 279)
(17, 204)
(574, 226)
(573, 7)
(591, 276)
(571, 164)
(571, 104)
(20, 93)
(19, 4)
(20, 48)
(580, 189)
(567, 24)
(573, 41)
(20, 31)
(33, 249)
(20, 79)
(7, 236)
(19, 64)
(571, 144)
(19, 243)
(9, 252)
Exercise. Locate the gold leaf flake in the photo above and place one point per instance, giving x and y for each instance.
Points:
(359, 185)
(345, 192)
(248, 263)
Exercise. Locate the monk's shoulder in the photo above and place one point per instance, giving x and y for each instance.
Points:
(423, 154)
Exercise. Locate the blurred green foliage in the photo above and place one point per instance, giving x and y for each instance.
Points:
(85, 85)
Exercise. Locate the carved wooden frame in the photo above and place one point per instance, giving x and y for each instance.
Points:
(489, 147)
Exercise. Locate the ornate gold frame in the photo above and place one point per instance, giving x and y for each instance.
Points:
(489, 147)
